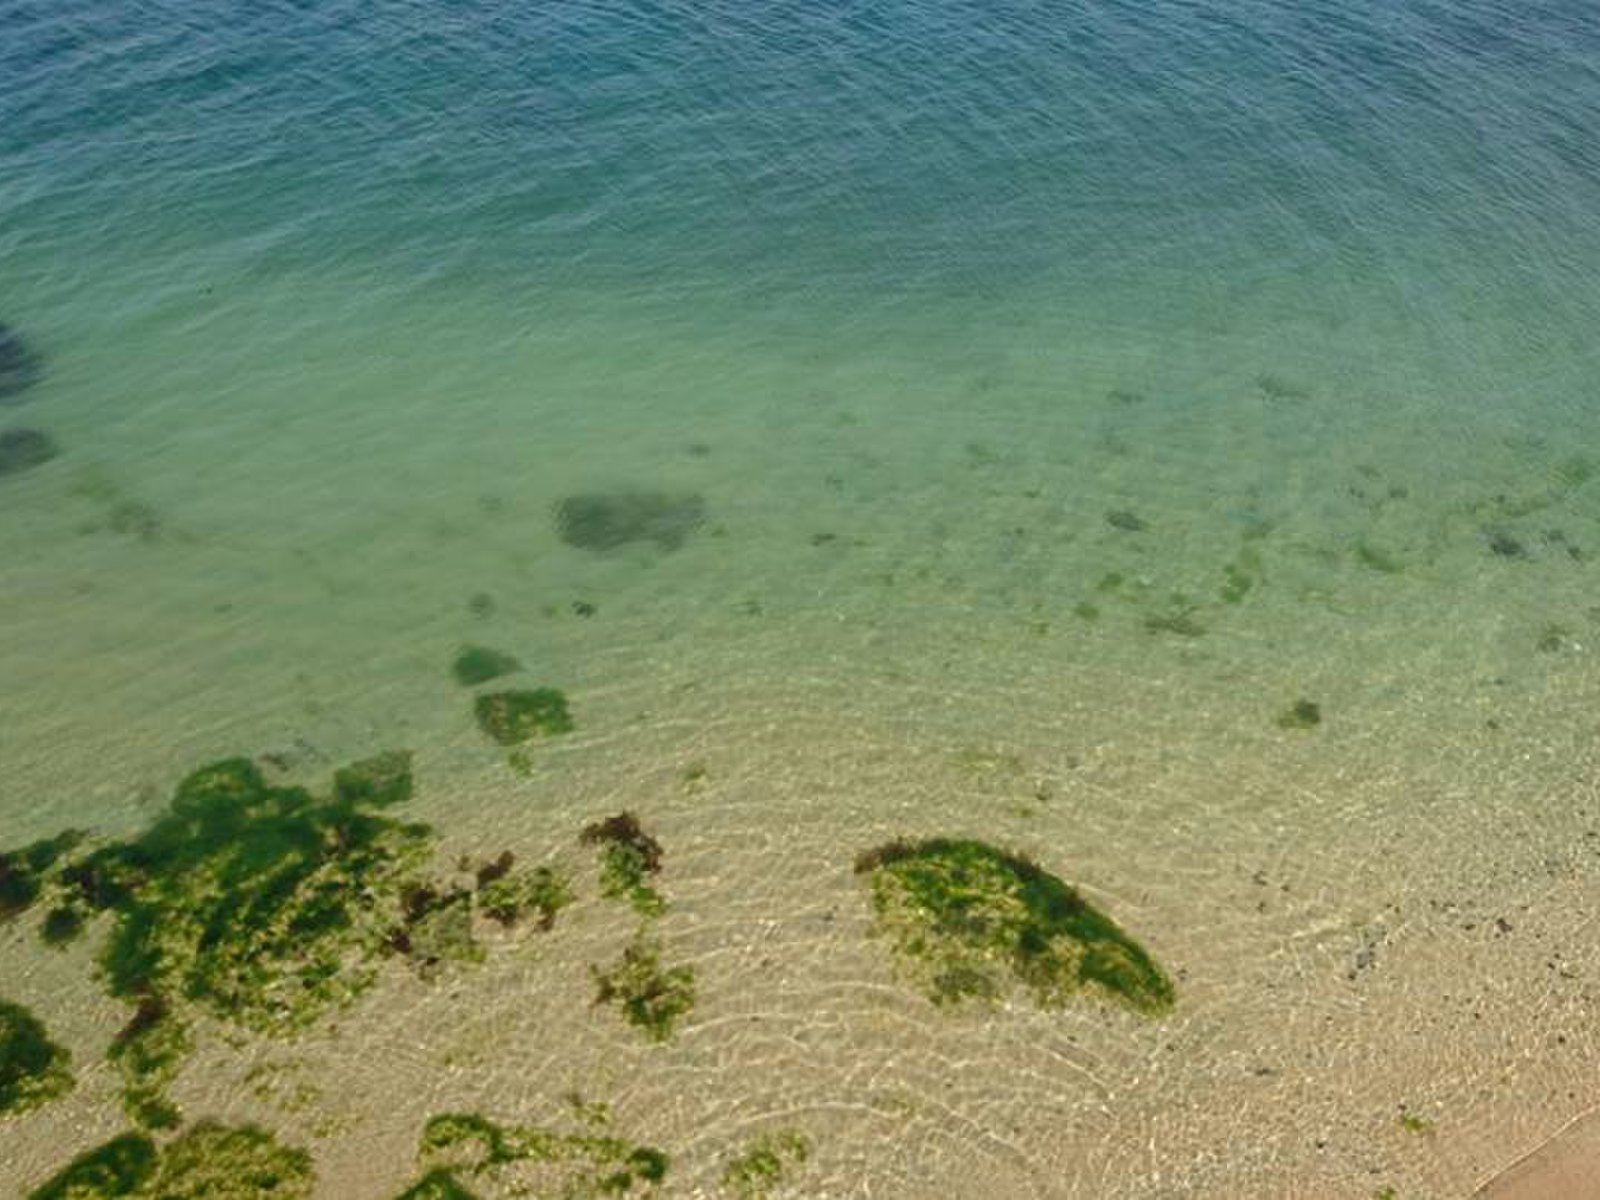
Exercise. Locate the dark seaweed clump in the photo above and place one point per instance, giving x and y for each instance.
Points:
(607, 520)
(1302, 714)
(479, 664)
(21, 366)
(207, 1162)
(23, 449)
(23, 872)
(628, 854)
(765, 1164)
(120, 1167)
(511, 718)
(967, 917)
(529, 1159)
(652, 997)
(33, 1069)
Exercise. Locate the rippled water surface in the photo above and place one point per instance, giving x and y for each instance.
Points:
(1034, 407)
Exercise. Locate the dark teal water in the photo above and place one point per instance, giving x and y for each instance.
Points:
(774, 158)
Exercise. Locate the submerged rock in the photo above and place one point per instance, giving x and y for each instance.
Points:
(21, 449)
(970, 920)
(606, 520)
(20, 364)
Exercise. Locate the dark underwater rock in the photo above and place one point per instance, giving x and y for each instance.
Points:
(21, 449)
(606, 520)
(20, 364)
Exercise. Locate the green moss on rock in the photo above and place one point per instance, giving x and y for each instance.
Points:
(970, 920)
(479, 664)
(148, 1053)
(33, 1069)
(514, 717)
(528, 1160)
(649, 996)
(120, 1167)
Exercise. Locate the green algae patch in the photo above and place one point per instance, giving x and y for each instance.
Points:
(538, 894)
(971, 920)
(1302, 714)
(148, 1052)
(33, 1069)
(519, 1160)
(628, 855)
(121, 1167)
(514, 717)
(248, 899)
(207, 1162)
(378, 782)
(479, 664)
(261, 905)
(23, 872)
(437, 1184)
(219, 1162)
(649, 996)
(767, 1163)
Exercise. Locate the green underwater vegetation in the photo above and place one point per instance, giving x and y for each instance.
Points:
(969, 921)
(23, 872)
(514, 717)
(627, 855)
(649, 996)
(33, 1069)
(527, 1160)
(208, 1161)
(1302, 714)
(765, 1164)
(479, 664)
(260, 905)
(608, 520)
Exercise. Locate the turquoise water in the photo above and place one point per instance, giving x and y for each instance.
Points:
(1068, 386)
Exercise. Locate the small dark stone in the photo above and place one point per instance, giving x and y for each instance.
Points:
(606, 520)
(21, 449)
(1506, 546)
(1128, 522)
(20, 364)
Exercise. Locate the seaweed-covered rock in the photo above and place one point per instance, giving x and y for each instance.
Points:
(262, 905)
(607, 520)
(527, 1160)
(21, 366)
(207, 1162)
(219, 1162)
(120, 1167)
(512, 718)
(479, 664)
(23, 449)
(33, 1069)
(967, 918)
(652, 997)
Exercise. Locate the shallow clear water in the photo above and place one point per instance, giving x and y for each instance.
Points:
(1070, 389)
